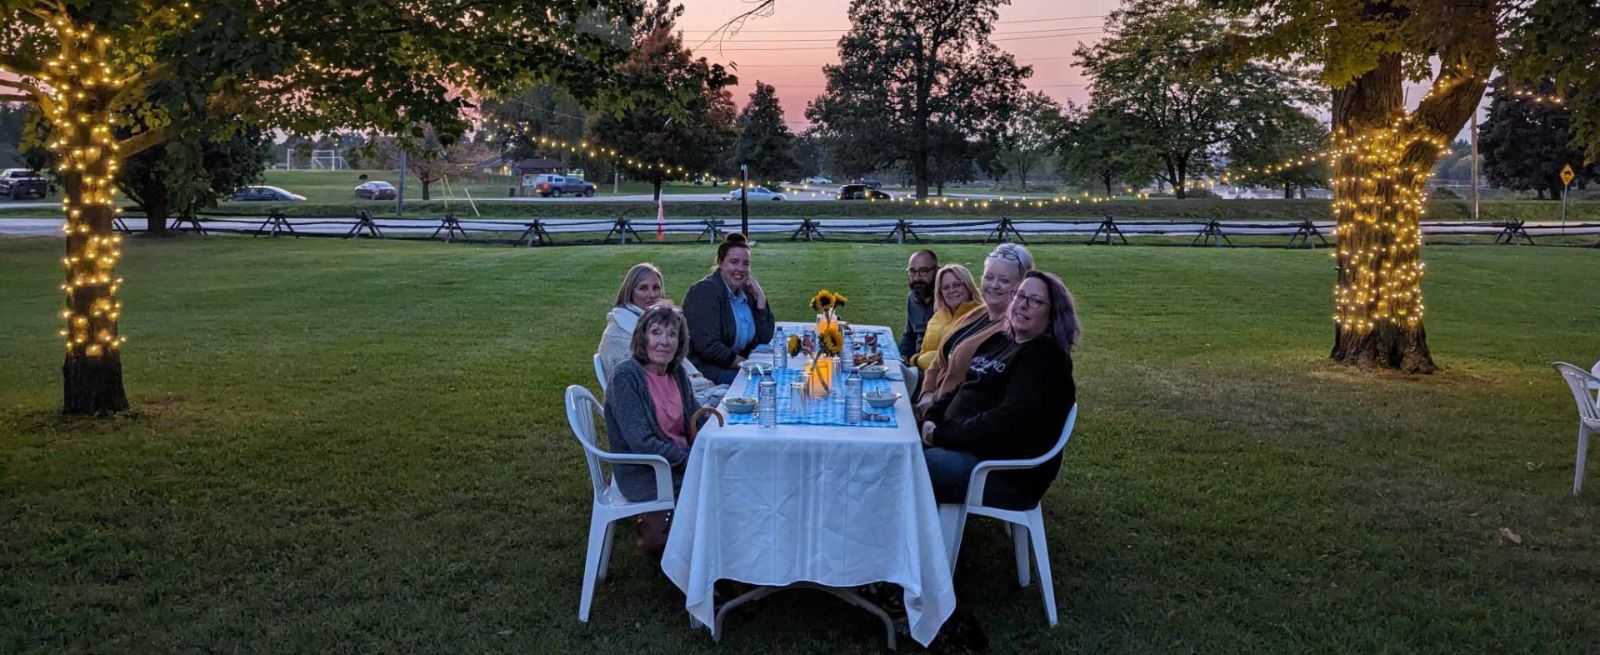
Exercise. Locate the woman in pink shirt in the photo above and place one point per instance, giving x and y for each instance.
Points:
(649, 401)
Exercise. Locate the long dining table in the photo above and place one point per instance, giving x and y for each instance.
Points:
(812, 503)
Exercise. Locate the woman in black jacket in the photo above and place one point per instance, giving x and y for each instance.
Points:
(1014, 402)
(728, 313)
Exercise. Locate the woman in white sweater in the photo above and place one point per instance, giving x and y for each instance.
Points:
(641, 288)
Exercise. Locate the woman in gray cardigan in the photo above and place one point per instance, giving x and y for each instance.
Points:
(728, 313)
(650, 402)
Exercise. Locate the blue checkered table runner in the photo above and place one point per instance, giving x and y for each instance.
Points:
(819, 411)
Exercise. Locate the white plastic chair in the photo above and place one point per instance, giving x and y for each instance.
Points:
(1025, 525)
(600, 372)
(1582, 383)
(609, 504)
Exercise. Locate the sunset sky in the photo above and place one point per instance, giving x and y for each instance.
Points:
(789, 48)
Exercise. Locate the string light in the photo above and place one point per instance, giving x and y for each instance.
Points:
(86, 148)
(1378, 217)
(650, 168)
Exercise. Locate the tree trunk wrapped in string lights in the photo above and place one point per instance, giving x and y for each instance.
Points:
(1382, 158)
(83, 86)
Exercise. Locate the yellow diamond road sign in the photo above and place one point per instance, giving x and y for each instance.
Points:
(1567, 174)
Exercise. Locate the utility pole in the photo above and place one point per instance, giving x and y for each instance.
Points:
(400, 189)
(1474, 163)
(744, 200)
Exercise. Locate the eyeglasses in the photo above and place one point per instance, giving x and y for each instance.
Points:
(953, 287)
(1007, 254)
(925, 270)
(1029, 302)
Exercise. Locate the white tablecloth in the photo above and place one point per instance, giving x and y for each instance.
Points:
(837, 506)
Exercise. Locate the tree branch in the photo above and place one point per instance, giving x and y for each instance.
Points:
(142, 141)
(21, 65)
(9, 97)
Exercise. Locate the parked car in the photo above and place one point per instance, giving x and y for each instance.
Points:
(21, 183)
(862, 192)
(265, 193)
(816, 180)
(757, 193)
(871, 183)
(546, 185)
(376, 190)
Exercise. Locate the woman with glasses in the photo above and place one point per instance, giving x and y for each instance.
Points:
(955, 294)
(1013, 402)
(1003, 270)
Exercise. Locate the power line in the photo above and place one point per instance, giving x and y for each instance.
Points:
(830, 63)
(995, 36)
(1019, 38)
(842, 30)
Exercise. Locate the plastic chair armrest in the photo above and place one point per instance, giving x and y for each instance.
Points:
(663, 470)
(980, 475)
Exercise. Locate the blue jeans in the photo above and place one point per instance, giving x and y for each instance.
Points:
(951, 472)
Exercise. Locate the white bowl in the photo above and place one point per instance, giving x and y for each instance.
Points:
(740, 404)
(880, 399)
(873, 372)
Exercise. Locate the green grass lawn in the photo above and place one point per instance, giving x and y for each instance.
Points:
(360, 447)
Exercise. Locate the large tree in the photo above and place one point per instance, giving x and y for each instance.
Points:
(1528, 139)
(809, 154)
(1151, 68)
(765, 143)
(433, 162)
(909, 70)
(1283, 150)
(1103, 148)
(1029, 134)
(518, 121)
(101, 72)
(690, 124)
(191, 170)
(1365, 51)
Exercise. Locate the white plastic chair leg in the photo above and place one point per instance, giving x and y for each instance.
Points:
(591, 564)
(1041, 554)
(605, 552)
(1583, 455)
(953, 521)
(1019, 540)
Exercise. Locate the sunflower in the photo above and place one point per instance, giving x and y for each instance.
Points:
(826, 300)
(831, 341)
(794, 344)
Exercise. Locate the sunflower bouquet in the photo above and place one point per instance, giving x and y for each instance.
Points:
(829, 342)
(828, 302)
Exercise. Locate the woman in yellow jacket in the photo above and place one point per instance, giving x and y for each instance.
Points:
(954, 294)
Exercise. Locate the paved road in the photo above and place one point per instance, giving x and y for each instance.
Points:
(976, 226)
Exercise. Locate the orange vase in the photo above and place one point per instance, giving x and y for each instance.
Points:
(821, 379)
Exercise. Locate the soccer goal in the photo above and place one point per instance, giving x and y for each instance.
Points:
(329, 160)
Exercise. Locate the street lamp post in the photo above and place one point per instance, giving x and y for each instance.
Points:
(744, 199)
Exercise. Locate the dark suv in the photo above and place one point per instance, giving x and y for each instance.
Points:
(861, 192)
(21, 183)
